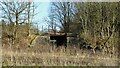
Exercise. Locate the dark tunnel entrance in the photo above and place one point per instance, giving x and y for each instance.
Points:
(60, 39)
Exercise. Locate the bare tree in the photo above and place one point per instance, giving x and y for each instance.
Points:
(14, 12)
(62, 12)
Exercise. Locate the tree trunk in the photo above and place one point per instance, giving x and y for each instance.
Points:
(16, 26)
(28, 11)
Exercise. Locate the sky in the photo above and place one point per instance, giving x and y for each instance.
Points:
(43, 12)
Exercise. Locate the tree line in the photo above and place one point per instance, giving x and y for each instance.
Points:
(17, 21)
(97, 23)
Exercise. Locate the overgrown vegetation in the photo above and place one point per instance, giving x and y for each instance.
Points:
(95, 28)
(95, 23)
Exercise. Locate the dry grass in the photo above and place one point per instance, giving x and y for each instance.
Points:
(46, 55)
(43, 54)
